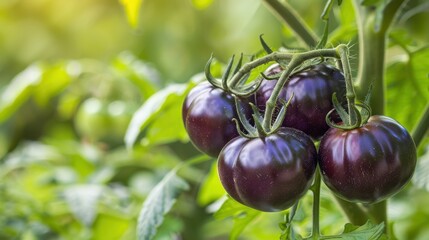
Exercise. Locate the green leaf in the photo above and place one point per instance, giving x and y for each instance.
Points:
(380, 5)
(212, 188)
(55, 79)
(368, 231)
(132, 8)
(371, 2)
(168, 126)
(159, 104)
(146, 78)
(110, 227)
(19, 90)
(409, 13)
(421, 177)
(242, 216)
(158, 203)
(82, 200)
(202, 4)
(407, 88)
(327, 9)
(41, 81)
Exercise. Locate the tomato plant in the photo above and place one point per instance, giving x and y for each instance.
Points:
(317, 131)
(364, 159)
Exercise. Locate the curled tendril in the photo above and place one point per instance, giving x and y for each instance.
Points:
(243, 80)
(239, 64)
(241, 133)
(242, 117)
(339, 108)
(256, 112)
(267, 49)
(275, 76)
(225, 75)
(260, 129)
(215, 82)
(247, 90)
(356, 124)
(282, 113)
(365, 112)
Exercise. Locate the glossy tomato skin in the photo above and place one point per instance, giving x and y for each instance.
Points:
(269, 173)
(207, 114)
(313, 88)
(370, 163)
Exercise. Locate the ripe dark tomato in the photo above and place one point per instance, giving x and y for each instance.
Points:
(269, 173)
(207, 115)
(313, 88)
(370, 163)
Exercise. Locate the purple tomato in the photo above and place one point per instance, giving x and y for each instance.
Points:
(369, 163)
(268, 173)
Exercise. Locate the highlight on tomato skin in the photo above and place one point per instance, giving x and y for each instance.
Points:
(268, 173)
(207, 115)
(370, 163)
(312, 88)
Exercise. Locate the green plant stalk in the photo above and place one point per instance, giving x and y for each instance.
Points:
(293, 20)
(378, 213)
(350, 92)
(247, 67)
(371, 64)
(297, 60)
(315, 188)
(422, 127)
(354, 212)
(371, 68)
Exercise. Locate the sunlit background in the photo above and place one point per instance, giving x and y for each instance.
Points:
(73, 73)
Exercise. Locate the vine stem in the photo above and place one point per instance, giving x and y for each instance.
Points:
(350, 92)
(354, 212)
(372, 43)
(297, 60)
(315, 188)
(247, 67)
(293, 20)
(422, 127)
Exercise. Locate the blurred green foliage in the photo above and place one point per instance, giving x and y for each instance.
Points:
(76, 164)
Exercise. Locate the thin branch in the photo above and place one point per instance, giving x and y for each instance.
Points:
(293, 20)
(422, 127)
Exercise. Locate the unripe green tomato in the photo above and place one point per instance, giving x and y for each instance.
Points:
(102, 121)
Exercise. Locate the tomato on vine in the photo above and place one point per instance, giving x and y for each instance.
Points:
(369, 163)
(268, 173)
(207, 115)
(313, 88)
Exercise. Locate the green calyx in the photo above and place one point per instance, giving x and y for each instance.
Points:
(357, 113)
(355, 117)
(236, 86)
(259, 129)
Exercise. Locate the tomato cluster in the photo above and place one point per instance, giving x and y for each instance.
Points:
(271, 172)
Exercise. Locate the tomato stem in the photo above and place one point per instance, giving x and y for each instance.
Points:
(286, 12)
(378, 212)
(247, 67)
(350, 92)
(353, 211)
